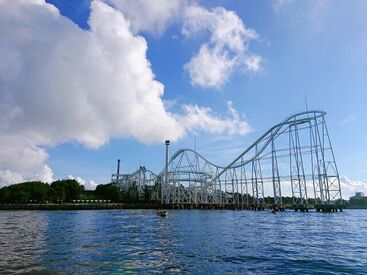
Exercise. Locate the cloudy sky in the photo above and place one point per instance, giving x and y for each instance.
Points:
(83, 83)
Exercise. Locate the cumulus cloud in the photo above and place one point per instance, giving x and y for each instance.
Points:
(209, 67)
(204, 119)
(226, 51)
(152, 16)
(227, 48)
(59, 83)
(21, 159)
(88, 184)
(350, 187)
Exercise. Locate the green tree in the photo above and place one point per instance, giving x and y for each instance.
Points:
(4, 195)
(20, 196)
(58, 191)
(39, 191)
(132, 193)
(109, 192)
(148, 191)
(66, 190)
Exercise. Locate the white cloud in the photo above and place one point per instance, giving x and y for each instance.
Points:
(350, 187)
(9, 177)
(21, 160)
(279, 5)
(227, 48)
(84, 86)
(59, 83)
(226, 51)
(348, 119)
(152, 16)
(88, 185)
(210, 67)
(204, 119)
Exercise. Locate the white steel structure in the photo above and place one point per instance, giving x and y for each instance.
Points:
(295, 155)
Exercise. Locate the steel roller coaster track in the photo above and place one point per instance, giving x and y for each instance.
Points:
(294, 157)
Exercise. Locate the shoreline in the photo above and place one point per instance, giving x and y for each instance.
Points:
(79, 206)
(106, 206)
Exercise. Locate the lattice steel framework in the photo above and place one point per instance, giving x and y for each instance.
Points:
(190, 180)
(140, 178)
(294, 156)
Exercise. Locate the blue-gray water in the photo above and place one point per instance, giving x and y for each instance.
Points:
(139, 241)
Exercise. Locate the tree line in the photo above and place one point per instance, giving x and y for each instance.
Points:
(69, 190)
(358, 202)
(37, 191)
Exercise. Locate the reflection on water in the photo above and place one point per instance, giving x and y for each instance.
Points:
(119, 241)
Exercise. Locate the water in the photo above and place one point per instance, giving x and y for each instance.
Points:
(139, 241)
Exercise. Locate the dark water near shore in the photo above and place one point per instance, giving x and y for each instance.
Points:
(138, 241)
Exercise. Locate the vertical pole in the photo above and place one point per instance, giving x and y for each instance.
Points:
(241, 182)
(276, 179)
(290, 165)
(262, 185)
(297, 161)
(317, 146)
(246, 187)
(303, 183)
(166, 173)
(275, 202)
(220, 189)
(327, 194)
(118, 171)
(254, 185)
(312, 162)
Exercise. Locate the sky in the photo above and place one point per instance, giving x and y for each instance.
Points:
(84, 83)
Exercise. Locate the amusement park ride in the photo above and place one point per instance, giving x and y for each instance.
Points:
(294, 155)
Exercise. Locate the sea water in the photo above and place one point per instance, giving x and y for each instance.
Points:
(206, 242)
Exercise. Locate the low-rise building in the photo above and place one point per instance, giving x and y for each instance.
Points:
(358, 195)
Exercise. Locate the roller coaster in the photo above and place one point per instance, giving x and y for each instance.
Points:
(294, 157)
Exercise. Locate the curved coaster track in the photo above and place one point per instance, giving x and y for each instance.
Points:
(294, 157)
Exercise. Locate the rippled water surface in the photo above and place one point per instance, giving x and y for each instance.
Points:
(139, 241)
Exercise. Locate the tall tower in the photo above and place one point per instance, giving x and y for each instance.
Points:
(118, 171)
(167, 142)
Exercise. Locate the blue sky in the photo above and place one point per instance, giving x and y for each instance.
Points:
(308, 49)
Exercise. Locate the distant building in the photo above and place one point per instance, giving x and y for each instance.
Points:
(359, 200)
(358, 195)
